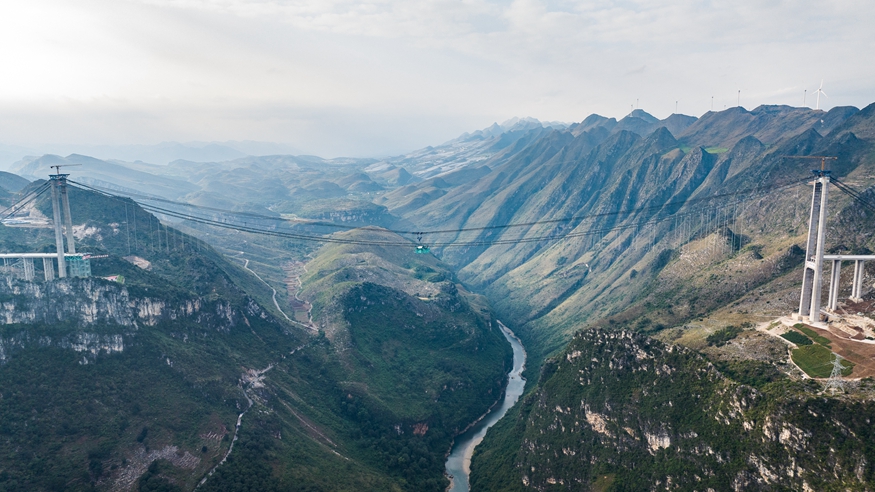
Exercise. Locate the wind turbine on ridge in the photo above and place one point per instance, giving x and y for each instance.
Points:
(819, 91)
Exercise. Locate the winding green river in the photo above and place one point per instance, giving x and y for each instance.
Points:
(459, 461)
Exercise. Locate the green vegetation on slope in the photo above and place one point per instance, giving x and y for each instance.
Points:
(373, 407)
(716, 150)
(418, 358)
(395, 379)
(817, 361)
(84, 402)
(620, 405)
(797, 338)
(813, 335)
(723, 335)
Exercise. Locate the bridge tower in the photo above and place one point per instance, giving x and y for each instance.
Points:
(56, 219)
(812, 279)
(60, 199)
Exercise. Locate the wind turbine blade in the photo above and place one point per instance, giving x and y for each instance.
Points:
(824, 94)
(821, 84)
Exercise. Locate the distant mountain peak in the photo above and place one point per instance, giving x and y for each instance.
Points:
(508, 124)
(644, 115)
(526, 123)
(515, 124)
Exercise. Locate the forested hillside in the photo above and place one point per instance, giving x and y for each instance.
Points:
(146, 384)
(619, 411)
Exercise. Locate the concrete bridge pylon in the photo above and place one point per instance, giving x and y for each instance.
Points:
(812, 279)
(56, 219)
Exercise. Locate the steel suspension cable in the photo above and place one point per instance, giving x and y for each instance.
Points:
(680, 203)
(762, 190)
(856, 195)
(30, 197)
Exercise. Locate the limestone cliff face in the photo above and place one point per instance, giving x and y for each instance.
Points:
(90, 343)
(93, 315)
(624, 409)
(82, 302)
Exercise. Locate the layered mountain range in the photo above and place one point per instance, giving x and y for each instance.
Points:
(636, 259)
(601, 186)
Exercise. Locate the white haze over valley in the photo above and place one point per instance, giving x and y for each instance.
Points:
(343, 78)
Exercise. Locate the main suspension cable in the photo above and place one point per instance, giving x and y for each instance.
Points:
(483, 242)
(25, 200)
(577, 218)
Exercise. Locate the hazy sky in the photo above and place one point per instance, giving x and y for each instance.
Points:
(337, 77)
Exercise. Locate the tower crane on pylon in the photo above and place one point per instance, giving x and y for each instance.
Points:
(57, 167)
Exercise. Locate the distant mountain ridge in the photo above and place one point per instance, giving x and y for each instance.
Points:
(489, 144)
(160, 153)
(766, 123)
(12, 182)
(104, 172)
(468, 149)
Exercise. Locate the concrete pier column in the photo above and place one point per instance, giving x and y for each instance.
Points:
(834, 278)
(48, 269)
(59, 236)
(857, 285)
(28, 269)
